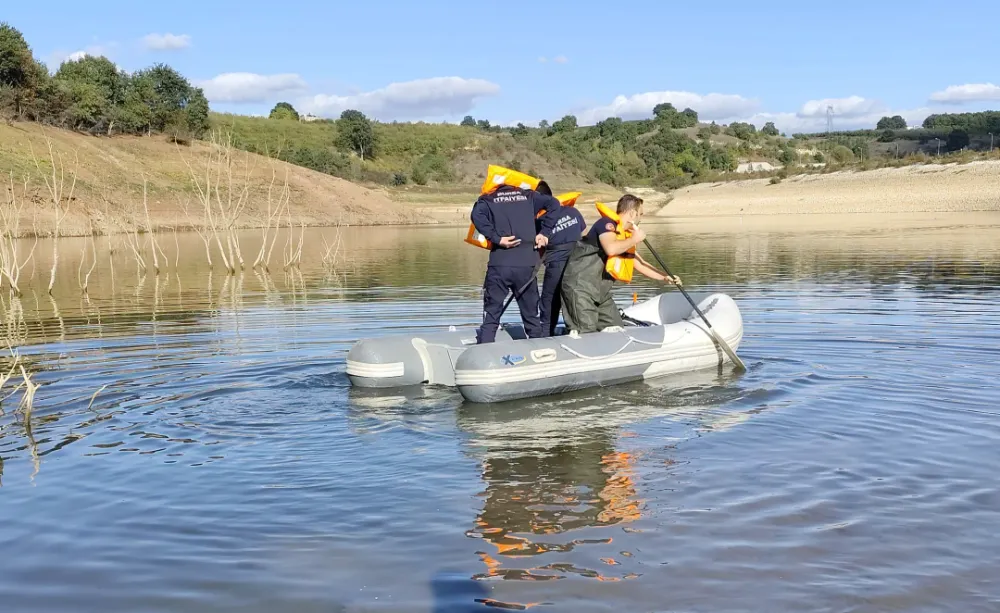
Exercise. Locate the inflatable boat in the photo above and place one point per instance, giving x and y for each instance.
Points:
(663, 335)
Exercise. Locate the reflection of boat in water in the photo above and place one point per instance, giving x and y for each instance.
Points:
(541, 491)
(669, 338)
(555, 479)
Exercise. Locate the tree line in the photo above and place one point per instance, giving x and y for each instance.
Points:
(651, 151)
(92, 94)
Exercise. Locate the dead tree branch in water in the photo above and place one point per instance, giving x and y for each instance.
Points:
(274, 211)
(10, 233)
(57, 191)
(223, 192)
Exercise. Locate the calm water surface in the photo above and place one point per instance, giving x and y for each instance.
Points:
(196, 445)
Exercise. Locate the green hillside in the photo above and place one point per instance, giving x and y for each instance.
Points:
(671, 150)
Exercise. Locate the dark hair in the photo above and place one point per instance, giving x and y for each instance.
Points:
(628, 202)
(543, 188)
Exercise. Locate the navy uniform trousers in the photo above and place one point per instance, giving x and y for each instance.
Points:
(555, 264)
(500, 280)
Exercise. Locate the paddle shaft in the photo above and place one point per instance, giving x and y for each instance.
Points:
(725, 346)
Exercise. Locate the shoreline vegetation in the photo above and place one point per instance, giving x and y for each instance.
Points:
(87, 148)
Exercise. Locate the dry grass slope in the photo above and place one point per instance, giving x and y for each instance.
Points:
(110, 173)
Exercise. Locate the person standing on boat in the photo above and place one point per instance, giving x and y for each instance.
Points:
(604, 255)
(506, 216)
(563, 236)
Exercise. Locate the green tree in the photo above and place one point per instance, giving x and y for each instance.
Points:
(95, 88)
(818, 157)
(483, 125)
(769, 129)
(723, 159)
(896, 122)
(566, 124)
(284, 110)
(519, 130)
(167, 93)
(842, 154)
(788, 156)
(688, 119)
(89, 108)
(689, 163)
(664, 111)
(136, 114)
(469, 121)
(958, 139)
(98, 71)
(356, 133)
(741, 130)
(16, 61)
(197, 113)
(19, 73)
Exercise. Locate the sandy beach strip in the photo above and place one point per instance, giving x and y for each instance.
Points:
(925, 188)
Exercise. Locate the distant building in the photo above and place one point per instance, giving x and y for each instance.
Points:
(747, 167)
(309, 117)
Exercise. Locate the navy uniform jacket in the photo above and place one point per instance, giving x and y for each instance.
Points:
(511, 211)
(567, 230)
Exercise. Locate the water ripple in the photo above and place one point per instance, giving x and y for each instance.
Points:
(206, 452)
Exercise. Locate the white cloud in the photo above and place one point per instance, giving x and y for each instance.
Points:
(852, 119)
(166, 42)
(970, 92)
(240, 87)
(850, 113)
(420, 99)
(853, 106)
(58, 57)
(560, 59)
(709, 107)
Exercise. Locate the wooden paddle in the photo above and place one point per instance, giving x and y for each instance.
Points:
(725, 347)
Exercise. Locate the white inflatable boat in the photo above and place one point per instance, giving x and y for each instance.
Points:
(662, 336)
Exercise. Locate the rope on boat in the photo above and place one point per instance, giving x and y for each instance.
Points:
(631, 339)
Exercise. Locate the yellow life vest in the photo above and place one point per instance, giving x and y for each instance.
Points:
(497, 176)
(620, 266)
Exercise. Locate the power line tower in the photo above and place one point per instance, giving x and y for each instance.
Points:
(829, 119)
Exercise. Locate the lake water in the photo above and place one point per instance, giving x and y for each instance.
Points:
(196, 445)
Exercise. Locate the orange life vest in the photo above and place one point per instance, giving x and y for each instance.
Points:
(497, 176)
(620, 266)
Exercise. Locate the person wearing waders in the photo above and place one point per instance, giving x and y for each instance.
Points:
(562, 238)
(588, 305)
(506, 216)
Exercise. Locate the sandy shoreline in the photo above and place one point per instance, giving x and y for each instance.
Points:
(914, 189)
(929, 195)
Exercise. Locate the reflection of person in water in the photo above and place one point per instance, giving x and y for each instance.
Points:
(538, 489)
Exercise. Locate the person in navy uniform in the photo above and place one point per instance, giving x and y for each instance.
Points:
(567, 230)
(506, 216)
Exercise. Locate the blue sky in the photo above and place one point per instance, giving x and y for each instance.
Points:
(525, 61)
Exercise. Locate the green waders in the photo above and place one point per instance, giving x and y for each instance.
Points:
(586, 291)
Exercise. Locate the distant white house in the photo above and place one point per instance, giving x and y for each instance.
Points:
(756, 167)
(309, 117)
